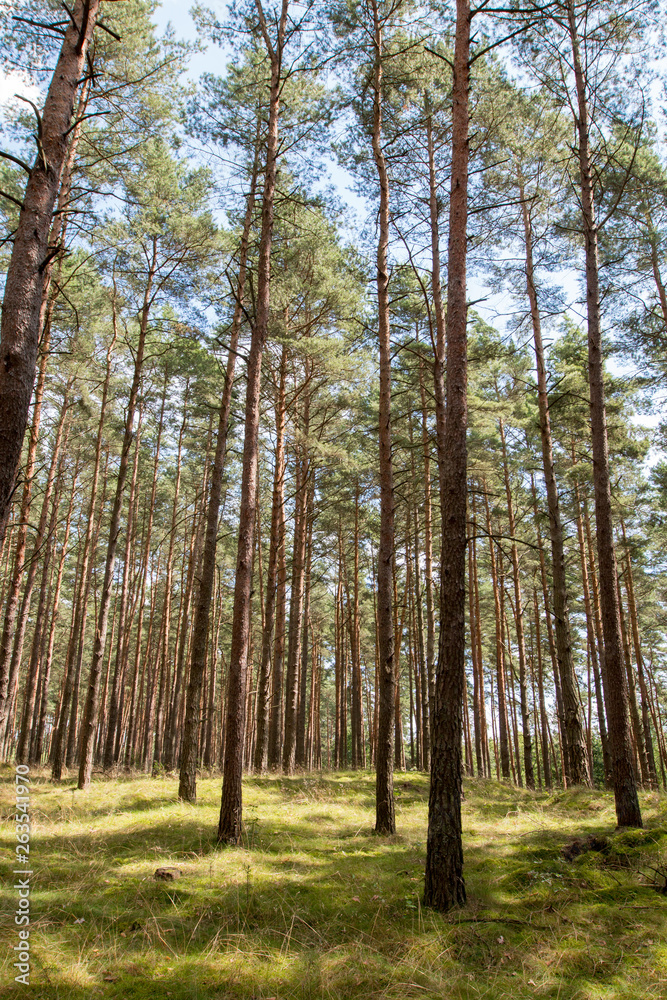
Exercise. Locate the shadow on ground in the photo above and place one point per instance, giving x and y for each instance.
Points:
(315, 905)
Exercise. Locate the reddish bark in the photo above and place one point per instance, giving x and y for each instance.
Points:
(25, 281)
(229, 827)
(444, 886)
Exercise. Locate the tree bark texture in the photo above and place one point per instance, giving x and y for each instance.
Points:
(229, 827)
(444, 886)
(575, 750)
(385, 819)
(625, 788)
(24, 284)
(187, 788)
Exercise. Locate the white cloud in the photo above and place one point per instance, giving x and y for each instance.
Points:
(16, 83)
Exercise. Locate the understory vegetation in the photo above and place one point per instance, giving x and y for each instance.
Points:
(314, 904)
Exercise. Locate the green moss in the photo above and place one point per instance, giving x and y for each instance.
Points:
(315, 905)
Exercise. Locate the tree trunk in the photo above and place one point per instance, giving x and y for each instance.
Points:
(385, 819)
(436, 291)
(428, 560)
(634, 622)
(229, 827)
(544, 722)
(89, 723)
(503, 736)
(79, 613)
(37, 743)
(31, 679)
(26, 278)
(625, 789)
(187, 787)
(303, 675)
(276, 720)
(444, 886)
(277, 522)
(637, 731)
(294, 634)
(592, 643)
(518, 617)
(574, 750)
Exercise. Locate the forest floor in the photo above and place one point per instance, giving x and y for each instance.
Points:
(315, 905)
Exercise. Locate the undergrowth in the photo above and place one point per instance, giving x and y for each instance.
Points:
(315, 905)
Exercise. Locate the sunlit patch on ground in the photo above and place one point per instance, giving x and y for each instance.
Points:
(314, 905)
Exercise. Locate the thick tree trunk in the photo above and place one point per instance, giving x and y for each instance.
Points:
(25, 281)
(444, 886)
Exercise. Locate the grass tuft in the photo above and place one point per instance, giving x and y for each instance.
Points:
(315, 905)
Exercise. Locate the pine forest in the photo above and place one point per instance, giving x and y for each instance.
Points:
(333, 497)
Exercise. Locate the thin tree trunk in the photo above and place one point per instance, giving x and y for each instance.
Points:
(30, 694)
(36, 750)
(592, 643)
(92, 696)
(229, 827)
(187, 787)
(550, 632)
(264, 699)
(171, 729)
(637, 730)
(436, 291)
(503, 739)
(276, 720)
(634, 623)
(59, 747)
(574, 750)
(303, 676)
(385, 818)
(625, 789)
(518, 617)
(294, 634)
(428, 558)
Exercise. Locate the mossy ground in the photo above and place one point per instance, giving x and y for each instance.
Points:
(314, 905)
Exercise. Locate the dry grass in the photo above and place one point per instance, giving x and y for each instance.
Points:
(314, 905)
